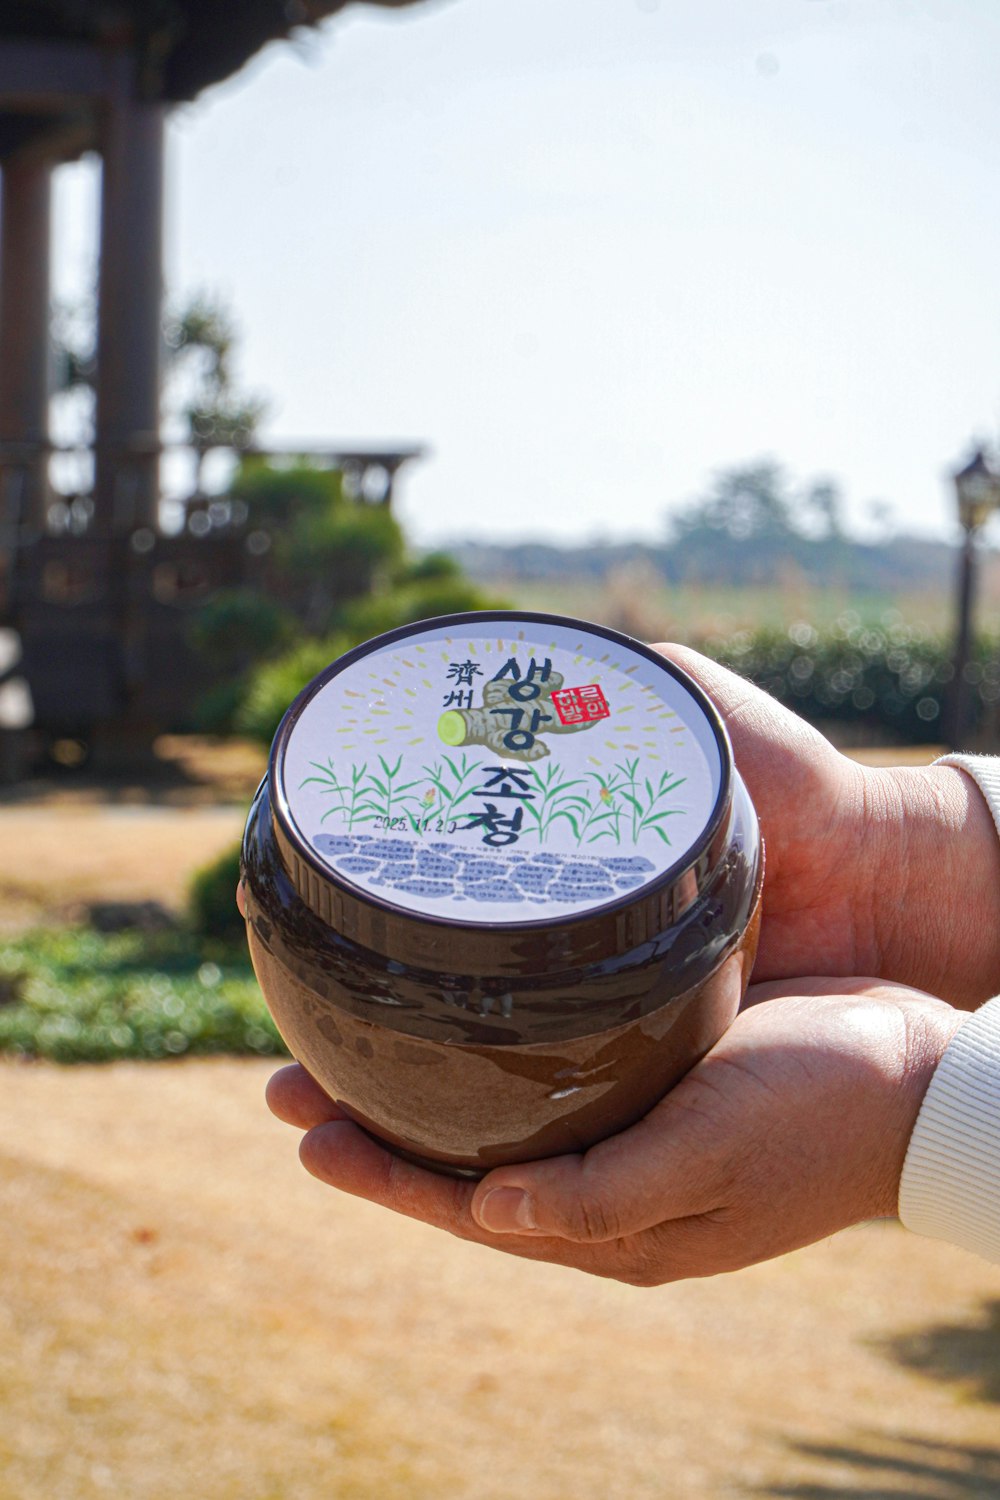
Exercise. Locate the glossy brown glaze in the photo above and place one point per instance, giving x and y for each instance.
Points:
(467, 1072)
(467, 1108)
(466, 1042)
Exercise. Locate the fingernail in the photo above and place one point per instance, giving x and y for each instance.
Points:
(507, 1210)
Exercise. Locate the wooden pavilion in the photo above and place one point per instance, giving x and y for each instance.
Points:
(98, 624)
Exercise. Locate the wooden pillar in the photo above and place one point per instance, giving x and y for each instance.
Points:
(24, 347)
(130, 294)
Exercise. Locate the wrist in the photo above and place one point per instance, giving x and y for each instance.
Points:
(925, 1029)
(932, 906)
(950, 1182)
(928, 1027)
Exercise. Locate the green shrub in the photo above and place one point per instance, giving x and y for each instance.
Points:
(276, 494)
(212, 899)
(240, 625)
(274, 685)
(354, 541)
(894, 678)
(436, 566)
(215, 711)
(337, 573)
(407, 605)
(232, 633)
(74, 995)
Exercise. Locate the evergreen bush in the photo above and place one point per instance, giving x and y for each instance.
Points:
(212, 898)
(338, 572)
(275, 684)
(893, 678)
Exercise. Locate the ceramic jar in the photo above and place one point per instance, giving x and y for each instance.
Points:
(502, 885)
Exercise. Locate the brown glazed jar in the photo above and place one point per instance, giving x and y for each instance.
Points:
(502, 885)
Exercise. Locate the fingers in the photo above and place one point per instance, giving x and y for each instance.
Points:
(337, 1152)
(297, 1099)
(342, 1155)
(761, 728)
(618, 1189)
(345, 1157)
(731, 692)
(780, 989)
(615, 1190)
(577, 1210)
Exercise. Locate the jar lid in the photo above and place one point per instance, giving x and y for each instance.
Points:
(500, 774)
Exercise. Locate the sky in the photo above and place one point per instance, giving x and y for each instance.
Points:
(593, 251)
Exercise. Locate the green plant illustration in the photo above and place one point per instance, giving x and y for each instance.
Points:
(329, 786)
(366, 798)
(348, 794)
(557, 801)
(603, 820)
(643, 814)
(449, 788)
(381, 798)
(620, 806)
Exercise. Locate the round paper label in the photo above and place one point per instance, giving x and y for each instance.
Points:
(506, 770)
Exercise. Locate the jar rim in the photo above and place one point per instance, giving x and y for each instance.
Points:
(650, 908)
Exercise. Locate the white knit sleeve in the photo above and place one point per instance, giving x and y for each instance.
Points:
(950, 1185)
(985, 772)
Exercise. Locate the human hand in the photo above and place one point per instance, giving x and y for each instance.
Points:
(795, 1125)
(889, 872)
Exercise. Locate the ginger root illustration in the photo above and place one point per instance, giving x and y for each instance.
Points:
(520, 707)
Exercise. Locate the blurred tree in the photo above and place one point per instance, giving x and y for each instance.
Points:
(327, 550)
(200, 397)
(753, 524)
(272, 686)
(882, 515)
(824, 504)
(752, 501)
(199, 387)
(342, 566)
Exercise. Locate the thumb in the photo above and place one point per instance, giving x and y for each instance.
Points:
(618, 1188)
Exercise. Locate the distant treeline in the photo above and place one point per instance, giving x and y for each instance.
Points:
(752, 527)
(901, 565)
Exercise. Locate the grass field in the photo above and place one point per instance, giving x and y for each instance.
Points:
(637, 601)
(652, 611)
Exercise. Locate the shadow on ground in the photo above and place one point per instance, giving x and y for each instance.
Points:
(966, 1354)
(880, 1466)
(877, 1467)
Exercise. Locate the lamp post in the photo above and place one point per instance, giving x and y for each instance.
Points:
(977, 491)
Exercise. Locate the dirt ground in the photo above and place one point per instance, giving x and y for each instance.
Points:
(185, 1313)
(67, 841)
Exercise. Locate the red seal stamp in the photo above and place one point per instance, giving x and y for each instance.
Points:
(581, 705)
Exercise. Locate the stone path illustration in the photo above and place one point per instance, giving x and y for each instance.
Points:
(500, 875)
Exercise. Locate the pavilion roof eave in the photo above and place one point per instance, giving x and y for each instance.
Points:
(210, 51)
(186, 45)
